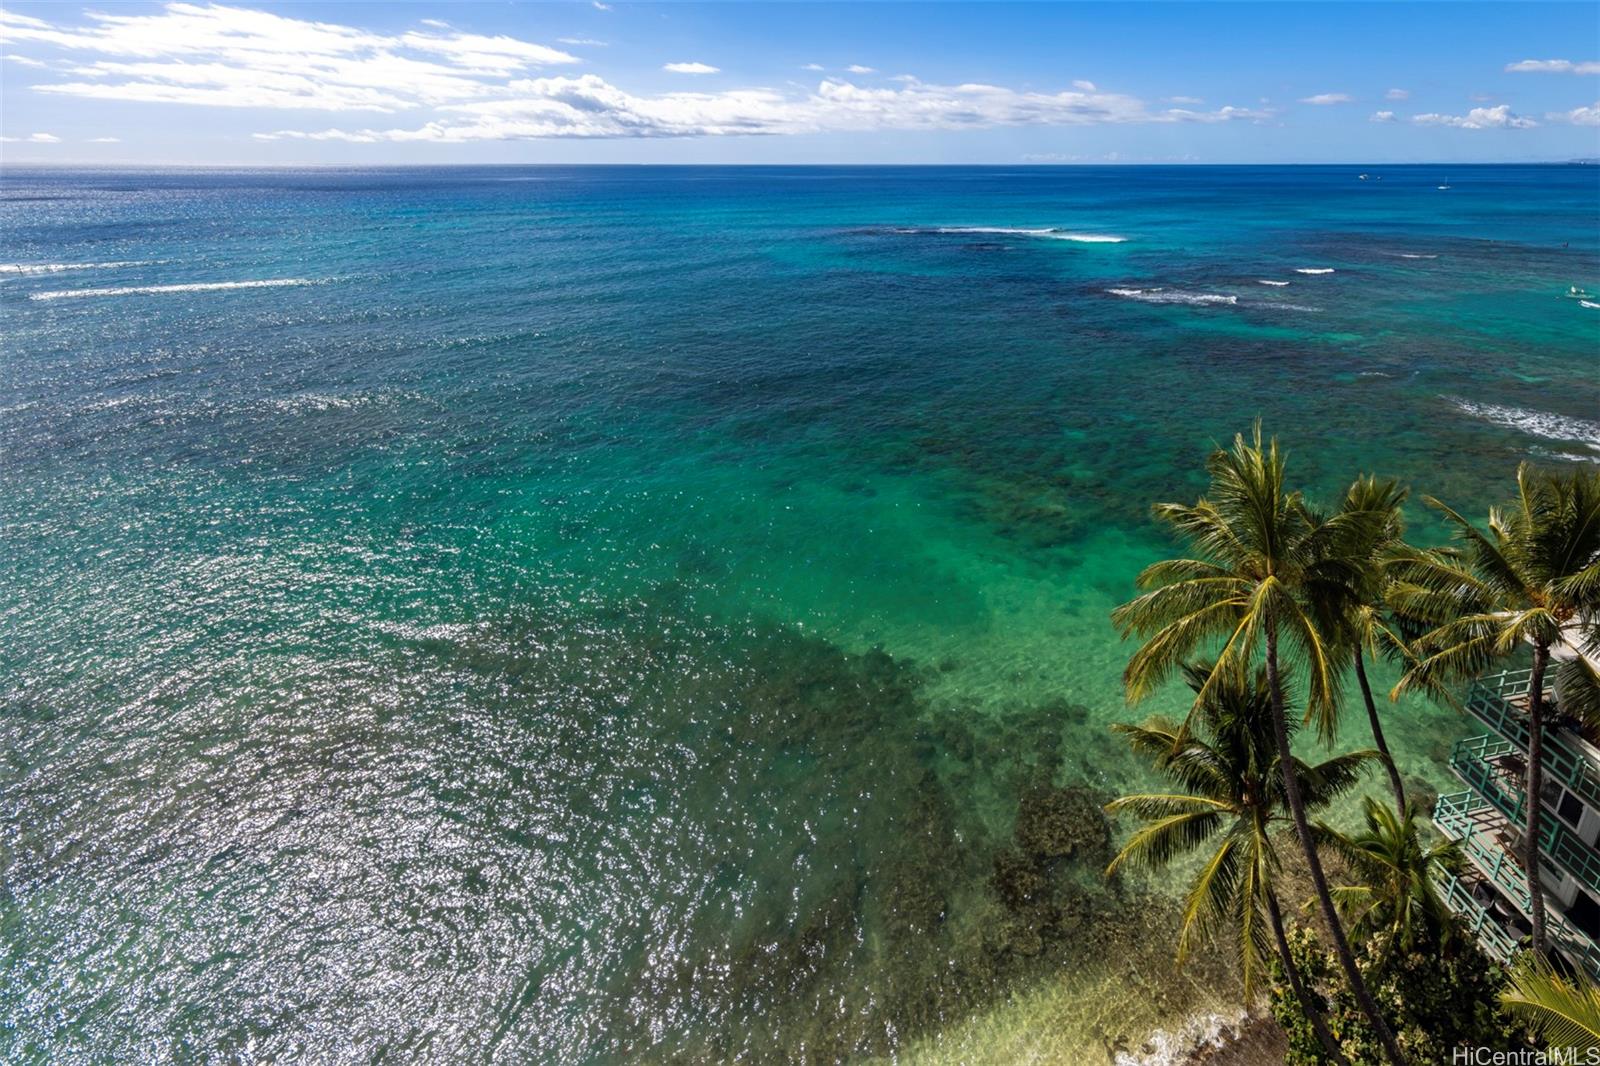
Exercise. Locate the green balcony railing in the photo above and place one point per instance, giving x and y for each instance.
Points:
(1458, 814)
(1494, 940)
(1490, 700)
(1473, 760)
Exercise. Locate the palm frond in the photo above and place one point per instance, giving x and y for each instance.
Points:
(1565, 1011)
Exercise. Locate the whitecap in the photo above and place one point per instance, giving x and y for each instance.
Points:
(1535, 423)
(1416, 255)
(29, 269)
(1162, 296)
(1268, 281)
(151, 290)
(1313, 270)
(1588, 303)
(1046, 233)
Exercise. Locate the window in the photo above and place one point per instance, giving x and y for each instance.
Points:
(1569, 808)
(1585, 914)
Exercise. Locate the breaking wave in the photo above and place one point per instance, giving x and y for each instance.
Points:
(30, 269)
(1534, 423)
(1044, 232)
(151, 290)
(1162, 296)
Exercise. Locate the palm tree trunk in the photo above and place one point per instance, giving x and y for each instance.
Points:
(1301, 996)
(1302, 827)
(1377, 735)
(1530, 858)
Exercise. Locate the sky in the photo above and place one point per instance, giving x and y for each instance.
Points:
(607, 81)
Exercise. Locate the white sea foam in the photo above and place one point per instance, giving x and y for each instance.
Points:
(1416, 255)
(28, 269)
(1202, 1032)
(1313, 270)
(1162, 296)
(1588, 303)
(1535, 423)
(151, 290)
(1046, 233)
(1267, 281)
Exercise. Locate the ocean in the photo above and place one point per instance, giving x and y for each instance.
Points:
(631, 614)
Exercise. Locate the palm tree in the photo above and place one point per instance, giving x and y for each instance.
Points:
(1263, 561)
(1354, 618)
(1531, 580)
(1565, 1011)
(1396, 900)
(1233, 803)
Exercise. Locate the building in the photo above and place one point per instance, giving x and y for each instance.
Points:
(1487, 819)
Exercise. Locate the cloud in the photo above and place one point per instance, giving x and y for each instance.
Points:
(454, 86)
(1184, 100)
(1578, 116)
(1397, 94)
(105, 140)
(1382, 116)
(1479, 118)
(221, 56)
(23, 61)
(1324, 99)
(1552, 66)
(691, 68)
(598, 6)
(857, 68)
(589, 106)
(34, 138)
(582, 42)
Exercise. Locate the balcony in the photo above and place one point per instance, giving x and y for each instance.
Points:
(1495, 903)
(1496, 768)
(1500, 701)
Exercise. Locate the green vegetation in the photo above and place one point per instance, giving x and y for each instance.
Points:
(1565, 1011)
(1276, 597)
(1531, 577)
(1233, 802)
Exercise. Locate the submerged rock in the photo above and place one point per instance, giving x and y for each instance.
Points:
(1060, 823)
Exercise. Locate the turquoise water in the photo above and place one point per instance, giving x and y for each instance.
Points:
(610, 614)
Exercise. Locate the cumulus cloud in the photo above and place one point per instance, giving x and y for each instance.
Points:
(455, 86)
(1324, 99)
(1553, 66)
(1479, 118)
(589, 106)
(1382, 116)
(237, 57)
(812, 66)
(34, 138)
(1397, 94)
(1578, 116)
(857, 68)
